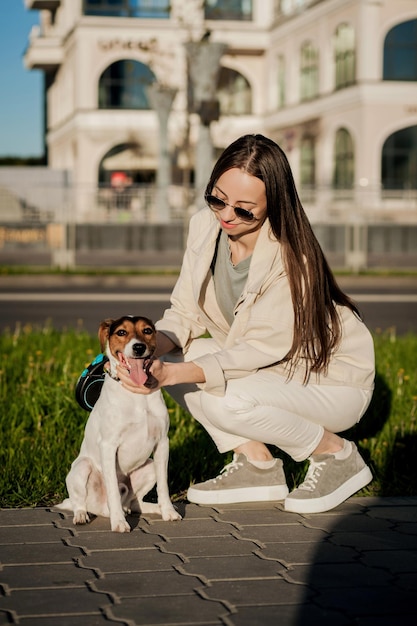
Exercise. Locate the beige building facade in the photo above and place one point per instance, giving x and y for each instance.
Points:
(334, 82)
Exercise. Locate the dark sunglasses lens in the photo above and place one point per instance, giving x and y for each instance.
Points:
(244, 215)
(215, 203)
(218, 205)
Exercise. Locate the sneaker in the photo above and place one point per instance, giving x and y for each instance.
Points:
(240, 481)
(329, 482)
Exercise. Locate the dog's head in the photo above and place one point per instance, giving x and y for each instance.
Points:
(131, 341)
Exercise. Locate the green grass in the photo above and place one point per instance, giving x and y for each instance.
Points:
(41, 424)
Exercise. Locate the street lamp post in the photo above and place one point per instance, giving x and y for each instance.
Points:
(161, 98)
(204, 66)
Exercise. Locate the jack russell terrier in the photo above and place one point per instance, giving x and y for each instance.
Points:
(113, 471)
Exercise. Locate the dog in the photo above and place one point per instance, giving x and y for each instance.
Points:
(113, 471)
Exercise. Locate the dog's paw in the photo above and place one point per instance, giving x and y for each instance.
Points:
(150, 508)
(170, 514)
(120, 526)
(81, 517)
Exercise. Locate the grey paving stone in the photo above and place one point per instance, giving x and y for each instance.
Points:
(375, 601)
(384, 620)
(37, 602)
(193, 528)
(385, 540)
(258, 592)
(107, 540)
(303, 553)
(38, 553)
(326, 576)
(50, 575)
(283, 533)
(183, 610)
(22, 517)
(348, 523)
(256, 517)
(147, 584)
(209, 546)
(88, 619)
(192, 511)
(31, 534)
(396, 514)
(395, 561)
(225, 568)
(406, 581)
(286, 615)
(130, 561)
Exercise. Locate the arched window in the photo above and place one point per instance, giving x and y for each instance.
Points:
(400, 52)
(399, 160)
(309, 77)
(343, 160)
(344, 56)
(127, 162)
(234, 93)
(123, 86)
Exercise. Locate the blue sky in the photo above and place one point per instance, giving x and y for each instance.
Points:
(20, 89)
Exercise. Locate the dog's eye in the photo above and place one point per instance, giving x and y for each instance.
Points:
(148, 331)
(121, 333)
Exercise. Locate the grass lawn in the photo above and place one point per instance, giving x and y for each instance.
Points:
(42, 425)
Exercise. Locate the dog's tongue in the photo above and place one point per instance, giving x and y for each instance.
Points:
(136, 368)
(137, 373)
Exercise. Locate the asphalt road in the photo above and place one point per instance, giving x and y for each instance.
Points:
(77, 301)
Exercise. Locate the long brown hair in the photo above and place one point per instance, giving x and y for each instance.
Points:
(314, 290)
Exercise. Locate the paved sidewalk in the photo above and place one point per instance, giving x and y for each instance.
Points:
(240, 565)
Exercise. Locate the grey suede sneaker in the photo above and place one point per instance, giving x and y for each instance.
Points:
(329, 482)
(240, 481)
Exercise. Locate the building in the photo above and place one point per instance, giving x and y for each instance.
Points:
(140, 95)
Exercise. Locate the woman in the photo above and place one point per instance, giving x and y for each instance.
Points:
(288, 361)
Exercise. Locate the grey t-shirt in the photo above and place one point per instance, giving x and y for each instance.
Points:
(229, 279)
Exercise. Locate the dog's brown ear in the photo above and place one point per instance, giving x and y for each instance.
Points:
(103, 332)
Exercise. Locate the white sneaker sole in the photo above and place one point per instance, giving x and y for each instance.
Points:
(326, 503)
(234, 496)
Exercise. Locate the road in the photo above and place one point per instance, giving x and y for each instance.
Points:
(83, 301)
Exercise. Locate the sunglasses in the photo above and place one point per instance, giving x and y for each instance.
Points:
(217, 204)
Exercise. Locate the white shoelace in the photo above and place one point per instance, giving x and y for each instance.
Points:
(228, 469)
(313, 474)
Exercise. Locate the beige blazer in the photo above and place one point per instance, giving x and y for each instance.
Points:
(261, 334)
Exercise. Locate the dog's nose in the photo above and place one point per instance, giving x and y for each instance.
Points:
(138, 349)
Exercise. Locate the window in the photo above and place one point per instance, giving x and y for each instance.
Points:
(400, 52)
(343, 160)
(290, 7)
(281, 81)
(123, 86)
(127, 8)
(234, 93)
(344, 55)
(309, 72)
(228, 10)
(399, 160)
(307, 162)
